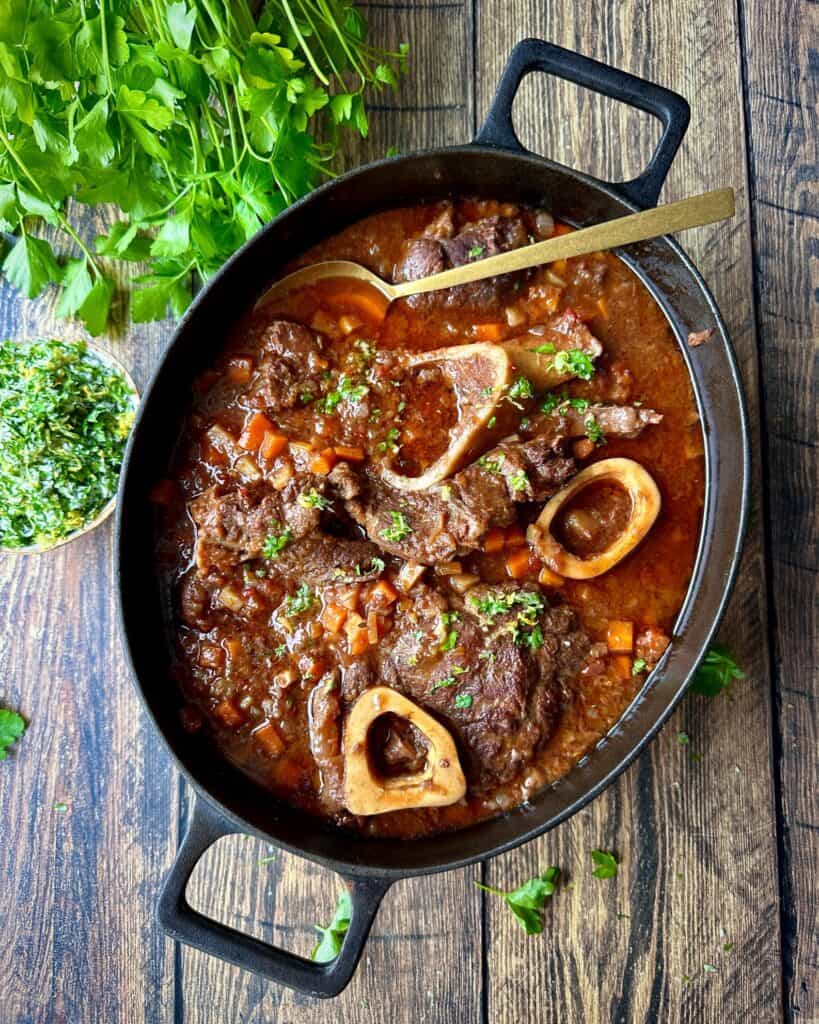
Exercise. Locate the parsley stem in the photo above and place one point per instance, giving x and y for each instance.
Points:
(306, 49)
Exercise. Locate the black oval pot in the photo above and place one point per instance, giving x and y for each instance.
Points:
(494, 165)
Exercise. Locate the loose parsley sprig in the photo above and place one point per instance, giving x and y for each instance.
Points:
(197, 118)
(717, 672)
(12, 727)
(332, 937)
(528, 900)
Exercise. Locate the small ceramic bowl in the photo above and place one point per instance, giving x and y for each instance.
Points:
(111, 361)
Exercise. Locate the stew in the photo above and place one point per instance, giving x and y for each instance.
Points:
(419, 561)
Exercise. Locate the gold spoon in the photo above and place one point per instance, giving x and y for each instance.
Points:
(636, 227)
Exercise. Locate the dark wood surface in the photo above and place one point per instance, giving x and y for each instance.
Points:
(719, 851)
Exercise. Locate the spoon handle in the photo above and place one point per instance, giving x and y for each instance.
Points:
(661, 220)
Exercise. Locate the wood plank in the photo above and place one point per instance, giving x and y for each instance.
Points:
(423, 959)
(782, 81)
(80, 885)
(697, 840)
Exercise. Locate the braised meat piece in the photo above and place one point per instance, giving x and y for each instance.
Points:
(449, 520)
(477, 240)
(290, 365)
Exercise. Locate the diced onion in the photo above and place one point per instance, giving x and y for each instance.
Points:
(246, 466)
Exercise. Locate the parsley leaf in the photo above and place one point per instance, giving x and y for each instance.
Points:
(574, 361)
(312, 499)
(332, 937)
(12, 727)
(716, 673)
(593, 431)
(476, 252)
(276, 542)
(605, 864)
(301, 601)
(464, 700)
(528, 900)
(399, 530)
(519, 481)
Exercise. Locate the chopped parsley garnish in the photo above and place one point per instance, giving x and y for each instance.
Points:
(312, 499)
(450, 640)
(399, 530)
(12, 727)
(491, 465)
(519, 481)
(524, 423)
(442, 683)
(463, 700)
(717, 672)
(366, 351)
(301, 601)
(390, 442)
(332, 937)
(593, 431)
(520, 390)
(559, 403)
(546, 349)
(638, 666)
(605, 864)
(280, 651)
(524, 629)
(683, 739)
(491, 421)
(528, 900)
(488, 391)
(276, 542)
(574, 361)
(377, 566)
(347, 391)
(476, 252)
(306, 397)
(64, 421)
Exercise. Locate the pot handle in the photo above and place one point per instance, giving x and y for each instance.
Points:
(184, 924)
(537, 55)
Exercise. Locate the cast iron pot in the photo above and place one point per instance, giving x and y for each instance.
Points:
(494, 165)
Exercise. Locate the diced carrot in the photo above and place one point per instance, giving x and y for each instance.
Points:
(256, 427)
(165, 492)
(211, 656)
(273, 444)
(333, 617)
(358, 636)
(549, 578)
(488, 332)
(520, 563)
(604, 309)
(239, 369)
(349, 453)
(365, 299)
(622, 666)
(494, 541)
(230, 714)
(323, 463)
(514, 536)
(350, 596)
(620, 636)
(383, 594)
(315, 670)
(561, 229)
(268, 738)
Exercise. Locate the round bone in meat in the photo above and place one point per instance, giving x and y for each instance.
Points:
(645, 507)
(479, 374)
(441, 781)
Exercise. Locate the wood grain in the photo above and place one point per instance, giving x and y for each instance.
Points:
(692, 868)
(782, 80)
(695, 827)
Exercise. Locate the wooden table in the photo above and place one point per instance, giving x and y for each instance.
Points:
(713, 916)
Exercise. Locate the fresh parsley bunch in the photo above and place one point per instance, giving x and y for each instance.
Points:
(197, 119)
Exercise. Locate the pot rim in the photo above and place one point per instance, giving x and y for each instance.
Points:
(352, 867)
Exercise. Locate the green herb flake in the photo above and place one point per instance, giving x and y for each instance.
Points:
(275, 543)
(605, 864)
(491, 422)
(546, 349)
(638, 666)
(399, 530)
(528, 900)
(683, 739)
(312, 499)
(12, 727)
(593, 431)
(519, 481)
(709, 968)
(390, 443)
(60, 808)
(301, 601)
(464, 700)
(443, 683)
(64, 422)
(476, 252)
(332, 937)
(574, 362)
(717, 672)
